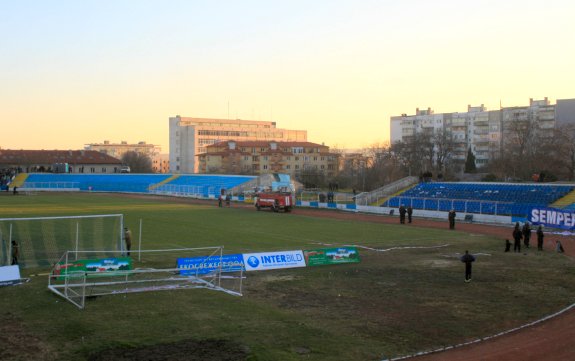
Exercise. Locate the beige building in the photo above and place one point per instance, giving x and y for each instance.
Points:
(160, 162)
(117, 150)
(261, 157)
(190, 137)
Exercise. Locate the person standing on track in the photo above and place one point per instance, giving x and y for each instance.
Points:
(409, 213)
(526, 234)
(451, 217)
(402, 214)
(517, 234)
(540, 236)
(467, 259)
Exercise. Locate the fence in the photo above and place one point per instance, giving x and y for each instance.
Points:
(461, 205)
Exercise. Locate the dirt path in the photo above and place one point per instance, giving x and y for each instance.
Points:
(550, 340)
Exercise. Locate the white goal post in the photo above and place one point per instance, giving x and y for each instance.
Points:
(77, 285)
(41, 240)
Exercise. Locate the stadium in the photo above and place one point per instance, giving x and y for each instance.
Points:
(402, 294)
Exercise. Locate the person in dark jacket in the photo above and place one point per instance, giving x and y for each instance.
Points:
(409, 213)
(559, 247)
(15, 252)
(507, 245)
(526, 234)
(517, 234)
(128, 240)
(540, 236)
(451, 217)
(467, 259)
(402, 212)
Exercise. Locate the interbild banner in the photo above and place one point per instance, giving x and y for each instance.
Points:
(553, 217)
(325, 256)
(202, 265)
(273, 260)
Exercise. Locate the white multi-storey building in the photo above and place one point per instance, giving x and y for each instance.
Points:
(190, 137)
(481, 130)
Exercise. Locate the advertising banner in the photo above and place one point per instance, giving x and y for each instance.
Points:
(94, 267)
(202, 265)
(325, 256)
(552, 217)
(9, 275)
(273, 260)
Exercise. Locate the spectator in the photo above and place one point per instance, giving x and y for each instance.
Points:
(15, 252)
(559, 247)
(128, 239)
(540, 236)
(517, 234)
(451, 216)
(402, 212)
(467, 259)
(409, 213)
(526, 234)
(507, 245)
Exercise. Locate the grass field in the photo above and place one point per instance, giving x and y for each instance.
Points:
(392, 303)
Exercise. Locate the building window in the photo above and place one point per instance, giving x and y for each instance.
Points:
(92, 170)
(288, 166)
(265, 166)
(255, 158)
(296, 166)
(103, 169)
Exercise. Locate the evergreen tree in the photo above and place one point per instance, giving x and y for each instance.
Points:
(470, 162)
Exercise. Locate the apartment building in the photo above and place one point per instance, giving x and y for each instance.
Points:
(261, 157)
(190, 137)
(481, 130)
(117, 150)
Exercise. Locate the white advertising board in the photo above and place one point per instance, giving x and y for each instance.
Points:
(273, 260)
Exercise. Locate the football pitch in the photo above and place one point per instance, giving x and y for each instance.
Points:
(406, 295)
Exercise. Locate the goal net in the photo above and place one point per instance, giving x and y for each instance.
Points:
(40, 241)
(79, 274)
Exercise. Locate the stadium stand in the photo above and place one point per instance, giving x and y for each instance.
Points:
(134, 183)
(484, 198)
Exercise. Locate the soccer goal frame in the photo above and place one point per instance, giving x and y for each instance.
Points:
(76, 287)
(43, 239)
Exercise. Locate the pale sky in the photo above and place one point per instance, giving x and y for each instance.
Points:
(78, 72)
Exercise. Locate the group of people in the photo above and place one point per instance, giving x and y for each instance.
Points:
(224, 197)
(403, 211)
(524, 233)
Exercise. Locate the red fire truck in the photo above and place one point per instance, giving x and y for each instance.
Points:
(275, 200)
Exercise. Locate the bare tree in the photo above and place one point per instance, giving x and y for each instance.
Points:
(138, 162)
(444, 147)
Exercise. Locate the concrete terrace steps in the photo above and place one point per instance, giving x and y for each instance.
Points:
(382, 201)
(565, 201)
(168, 180)
(19, 180)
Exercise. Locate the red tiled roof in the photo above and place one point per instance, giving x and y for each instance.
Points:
(265, 143)
(21, 157)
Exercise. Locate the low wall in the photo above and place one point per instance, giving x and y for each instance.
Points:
(477, 218)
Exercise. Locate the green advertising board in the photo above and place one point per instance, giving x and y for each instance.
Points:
(325, 256)
(93, 267)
